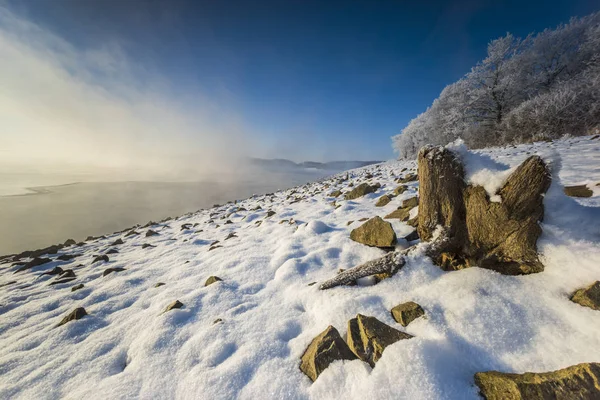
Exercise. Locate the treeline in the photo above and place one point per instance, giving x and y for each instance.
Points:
(541, 87)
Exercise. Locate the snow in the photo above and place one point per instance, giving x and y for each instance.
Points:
(476, 319)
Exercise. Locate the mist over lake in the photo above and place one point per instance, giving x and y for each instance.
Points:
(38, 216)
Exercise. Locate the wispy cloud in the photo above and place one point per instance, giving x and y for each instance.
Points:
(63, 107)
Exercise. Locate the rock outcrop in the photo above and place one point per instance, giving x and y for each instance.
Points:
(375, 232)
(580, 381)
(588, 297)
(324, 349)
(368, 337)
(501, 236)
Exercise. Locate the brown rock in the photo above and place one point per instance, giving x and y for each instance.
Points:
(400, 189)
(335, 193)
(405, 313)
(402, 214)
(368, 337)
(383, 200)
(375, 232)
(578, 191)
(581, 381)
(173, 305)
(410, 203)
(589, 296)
(324, 349)
(359, 191)
(211, 280)
(76, 314)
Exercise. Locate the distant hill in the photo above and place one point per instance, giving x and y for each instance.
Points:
(279, 163)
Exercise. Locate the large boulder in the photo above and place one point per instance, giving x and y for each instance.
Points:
(368, 337)
(576, 382)
(324, 349)
(360, 191)
(588, 297)
(501, 236)
(375, 232)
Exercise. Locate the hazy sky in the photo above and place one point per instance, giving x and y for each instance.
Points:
(187, 84)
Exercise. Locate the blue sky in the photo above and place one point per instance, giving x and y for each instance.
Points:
(322, 80)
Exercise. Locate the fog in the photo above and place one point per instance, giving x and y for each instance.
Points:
(99, 113)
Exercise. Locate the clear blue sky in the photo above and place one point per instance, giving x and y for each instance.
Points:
(319, 73)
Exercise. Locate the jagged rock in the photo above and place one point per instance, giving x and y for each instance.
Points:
(117, 242)
(578, 191)
(359, 191)
(383, 200)
(335, 193)
(111, 270)
(402, 214)
(69, 242)
(36, 262)
(501, 236)
(76, 314)
(324, 349)
(270, 213)
(131, 233)
(368, 337)
(375, 232)
(405, 313)
(400, 189)
(414, 235)
(588, 296)
(410, 203)
(581, 381)
(77, 287)
(100, 258)
(173, 305)
(150, 233)
(159, 284)
(211, 280)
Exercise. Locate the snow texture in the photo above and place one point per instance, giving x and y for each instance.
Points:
(476, 319)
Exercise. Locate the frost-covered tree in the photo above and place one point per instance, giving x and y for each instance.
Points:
(543, 86)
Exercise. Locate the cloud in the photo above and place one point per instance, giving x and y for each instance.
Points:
(66, 108)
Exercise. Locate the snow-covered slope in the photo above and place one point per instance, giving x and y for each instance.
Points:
(243, 337)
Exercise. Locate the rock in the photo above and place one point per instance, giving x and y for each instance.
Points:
(232, 235)
(414, 235)
(589, 296)
(67, 257)
(414, 222)
(100, 258)
(76, 314)
(159, 284)
(324, 349)
(441, 186)
(68, 273)
(368, 337)
(410, 203)
(150, 233)
(375, 232)
(349, 222)
(335, 193)
(211, 248)
(359, 191)
(13, 282)
(578, 191)
(185, 226)
(53, 271)
(36, 262)
(402, 214)
(173, 305)
(579, 381)
(383, 200)
(147, 245)
(113, 251)
(131, 233)
(211, 280)
(216, 321)
(117, 242)
(69, 242)
(111, 270)
(400, 189)
(409, 178)
(77, 287)
(501, 236)
(61, 280)
(270, 213)
(405, 313)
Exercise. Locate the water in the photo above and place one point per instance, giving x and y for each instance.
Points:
(53, 214)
